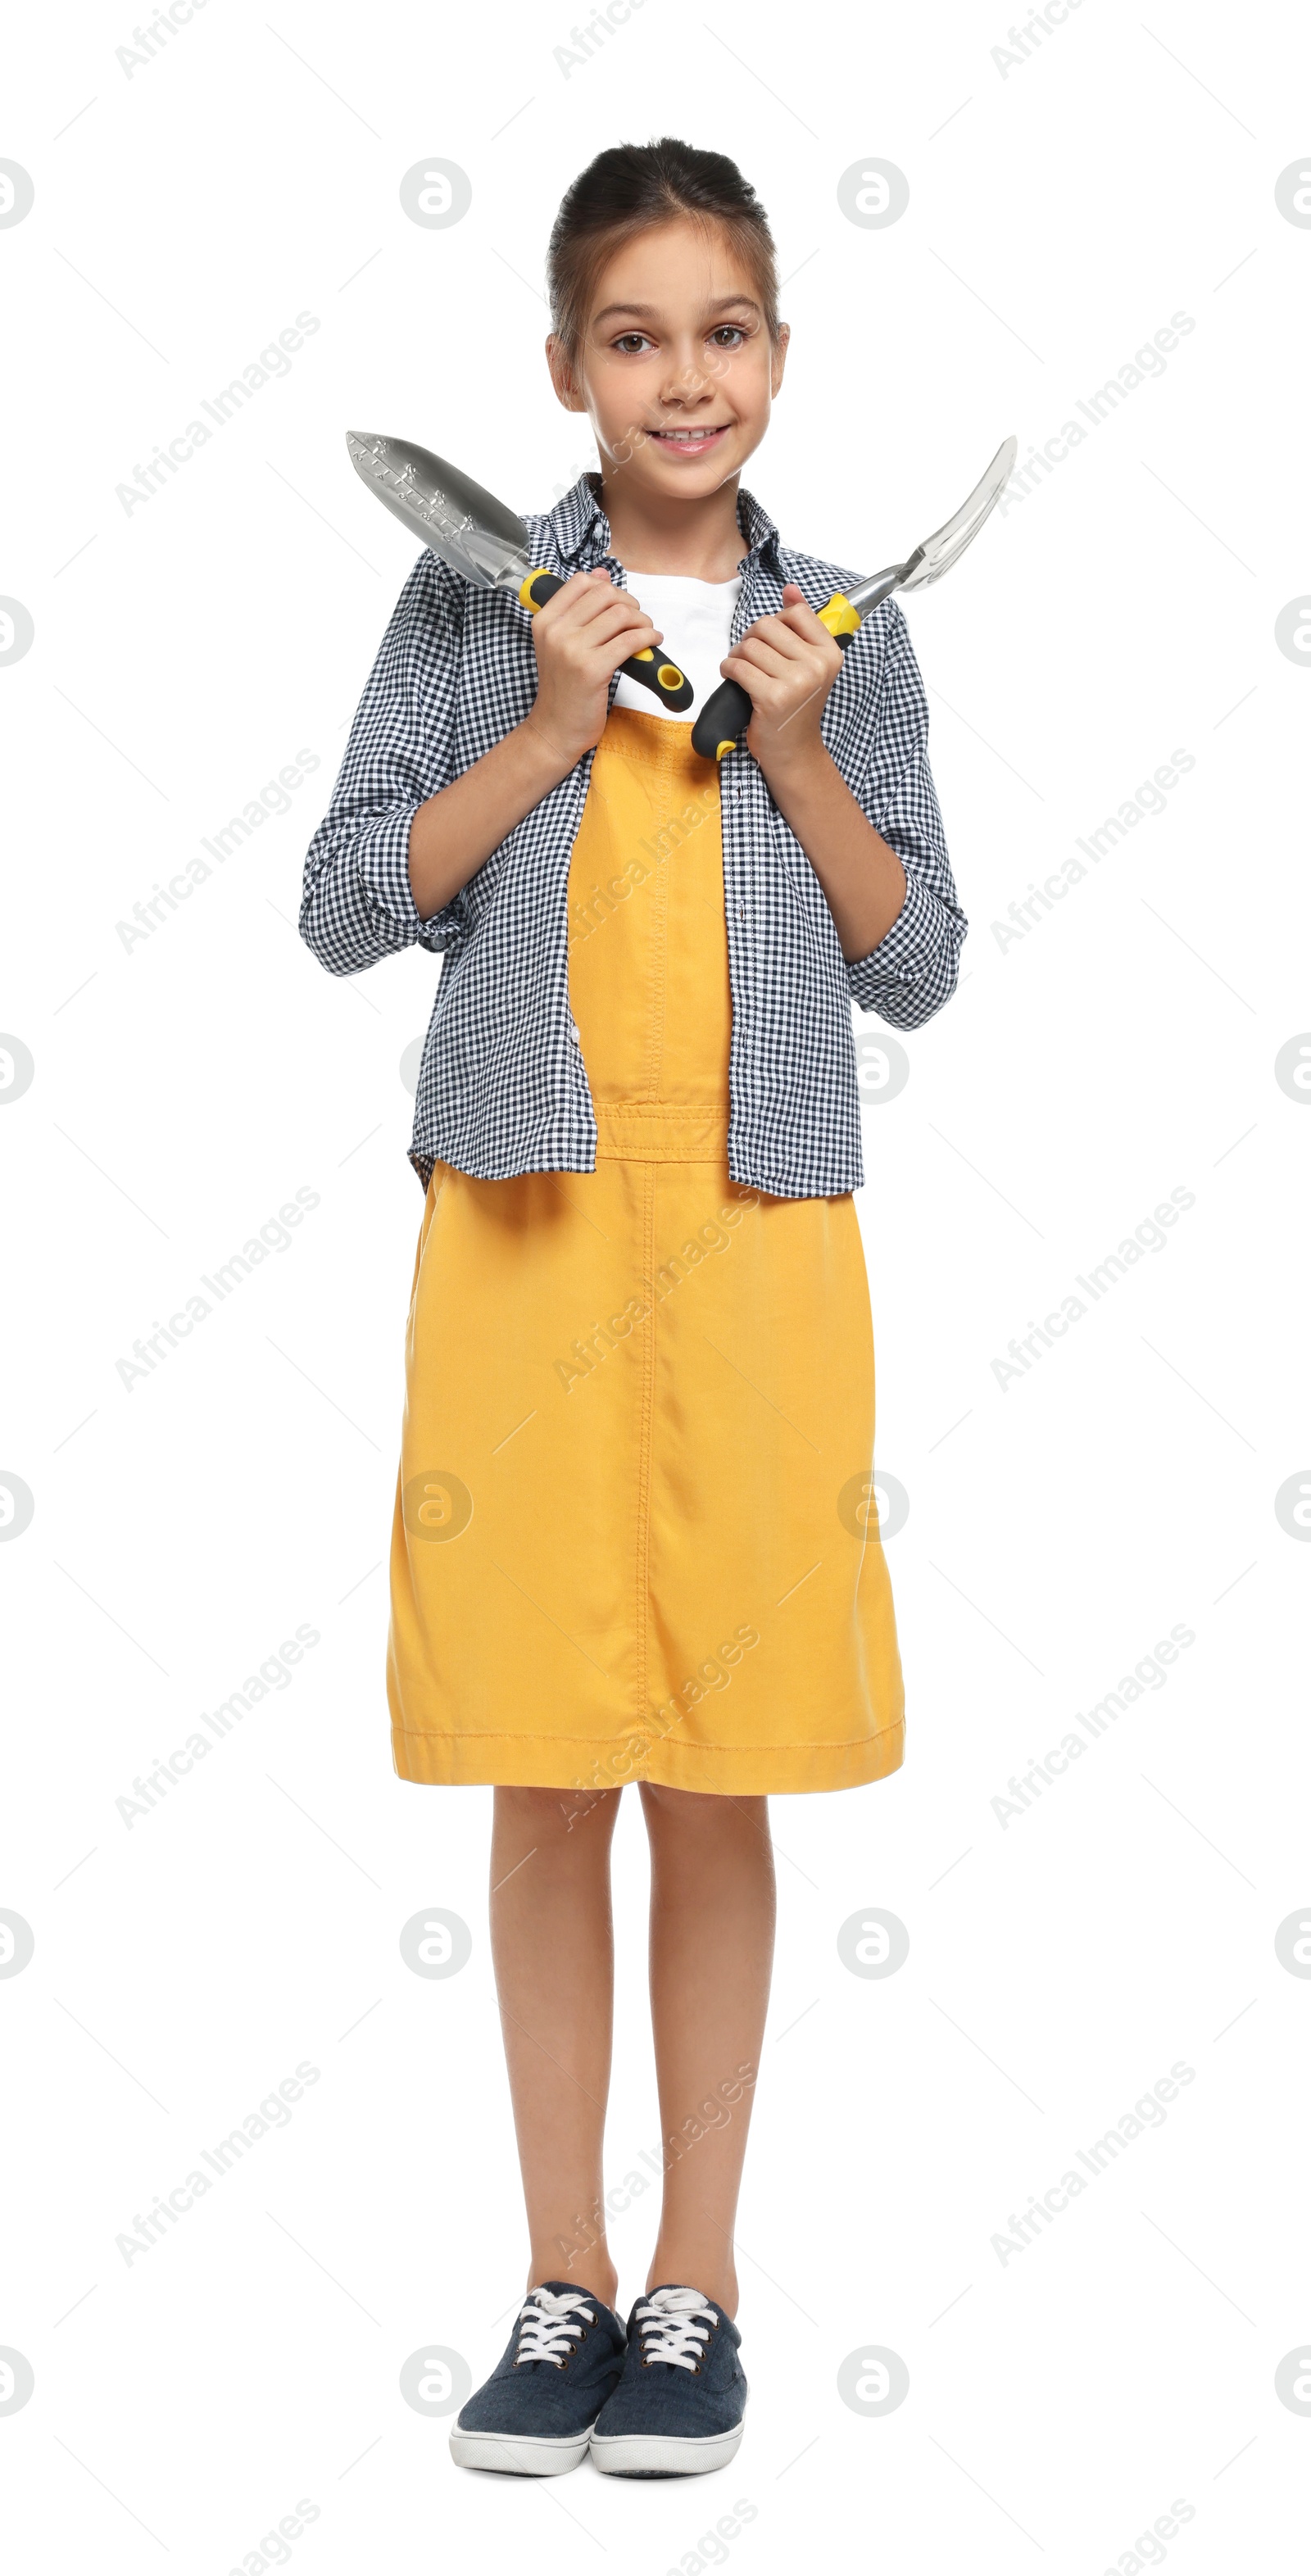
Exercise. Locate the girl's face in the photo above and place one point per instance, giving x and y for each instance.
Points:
(676, 372)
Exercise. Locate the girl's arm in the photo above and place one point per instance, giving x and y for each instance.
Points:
(389, 862)
(863, 879)
(894, 908)
(580, 638)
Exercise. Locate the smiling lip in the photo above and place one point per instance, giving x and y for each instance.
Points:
(690, 442)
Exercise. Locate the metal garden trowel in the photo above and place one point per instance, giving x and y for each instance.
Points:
(480, 539)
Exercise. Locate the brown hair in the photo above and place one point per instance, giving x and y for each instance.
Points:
(629, 189)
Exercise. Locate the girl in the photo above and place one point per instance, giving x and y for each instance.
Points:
(632, 1538)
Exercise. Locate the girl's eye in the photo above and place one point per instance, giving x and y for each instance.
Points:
(626, 339)
(736, 338)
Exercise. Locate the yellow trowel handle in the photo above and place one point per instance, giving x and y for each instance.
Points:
(670, 684)
(841, 619)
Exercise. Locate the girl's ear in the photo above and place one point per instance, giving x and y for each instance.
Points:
(566, 391)
(778, 358)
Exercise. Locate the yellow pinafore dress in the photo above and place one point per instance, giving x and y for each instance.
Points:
(634, 1535)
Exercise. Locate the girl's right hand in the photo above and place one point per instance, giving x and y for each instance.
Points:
(580, 638)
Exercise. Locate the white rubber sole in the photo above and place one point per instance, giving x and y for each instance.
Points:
(521, 2455)
(662, 2455)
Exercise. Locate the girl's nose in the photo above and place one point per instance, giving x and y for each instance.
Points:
(688, 381)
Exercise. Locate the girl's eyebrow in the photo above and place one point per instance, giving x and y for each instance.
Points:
(651, 311)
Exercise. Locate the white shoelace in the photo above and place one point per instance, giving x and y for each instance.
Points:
(548, 2326)
(668, 2323)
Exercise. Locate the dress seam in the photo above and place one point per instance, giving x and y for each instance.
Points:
(642, 1569)
(603, 1743)
(659, 976)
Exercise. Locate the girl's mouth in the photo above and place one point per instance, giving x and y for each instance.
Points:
(690, 442)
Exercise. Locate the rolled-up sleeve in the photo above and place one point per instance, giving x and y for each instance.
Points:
(357, 904)
(913, 970)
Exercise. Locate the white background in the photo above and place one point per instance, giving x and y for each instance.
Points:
(1061, 210)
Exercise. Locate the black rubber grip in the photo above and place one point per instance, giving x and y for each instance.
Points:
(663, 677)
(725, 715)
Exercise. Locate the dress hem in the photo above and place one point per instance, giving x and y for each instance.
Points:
(430, 1760)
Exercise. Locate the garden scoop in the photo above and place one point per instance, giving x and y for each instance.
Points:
(480, 539)
(728, 711)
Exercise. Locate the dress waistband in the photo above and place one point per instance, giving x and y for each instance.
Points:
(640, 1131)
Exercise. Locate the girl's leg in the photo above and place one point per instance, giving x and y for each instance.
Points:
(712, 1946)
(553, 1953)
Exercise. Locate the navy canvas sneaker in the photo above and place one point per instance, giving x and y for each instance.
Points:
(534, 2416)
(679, 2406)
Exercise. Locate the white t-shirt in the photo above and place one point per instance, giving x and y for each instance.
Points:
(695, 619)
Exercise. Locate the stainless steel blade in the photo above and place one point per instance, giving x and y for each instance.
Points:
(470, 529)
(939, 552)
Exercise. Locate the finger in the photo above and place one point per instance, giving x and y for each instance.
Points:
(797, 617)
(623, 649)
(610, 602)
(619, 620)
(759, 654)
(582, 595)
(801, 618)
(776, 632)
(561, 608)
(591, 619)
(764, 691)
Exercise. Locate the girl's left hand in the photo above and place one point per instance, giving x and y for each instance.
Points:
(787, 664)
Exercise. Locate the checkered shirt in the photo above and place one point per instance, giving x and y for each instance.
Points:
(502, 1085)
